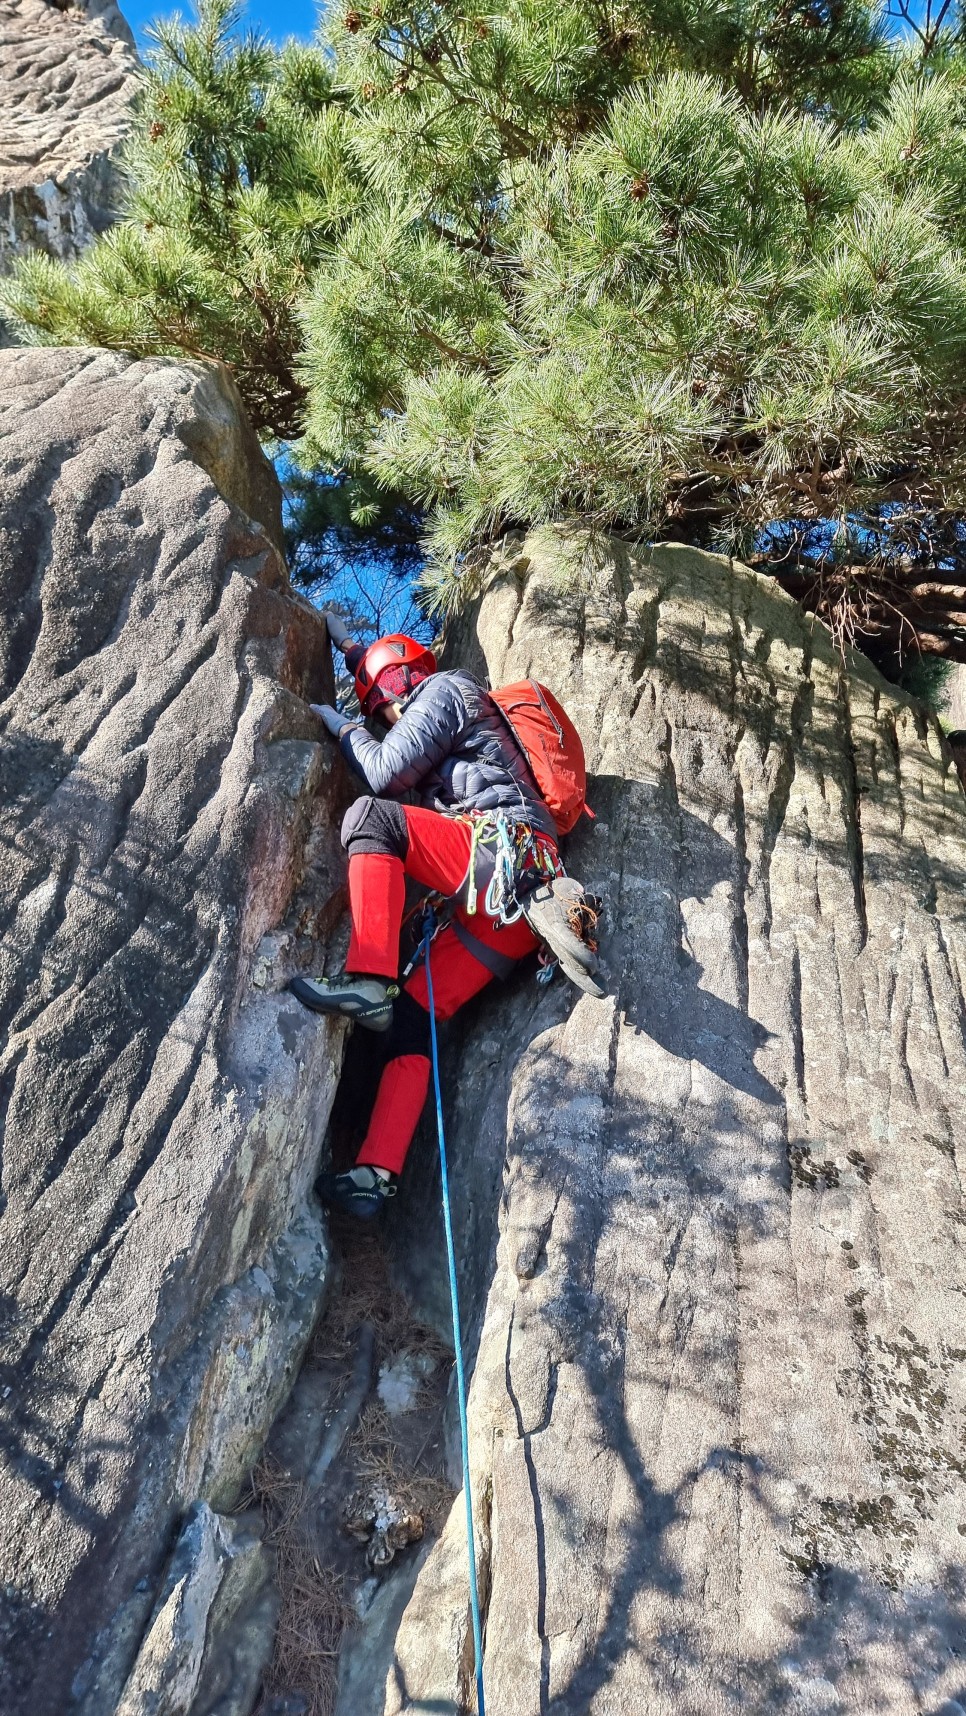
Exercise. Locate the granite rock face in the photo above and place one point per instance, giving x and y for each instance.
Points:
(68, 75)
(718, 1404)
(167, 830)
(218, 1588)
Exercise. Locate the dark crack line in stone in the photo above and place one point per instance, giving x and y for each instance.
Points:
(538, 1526)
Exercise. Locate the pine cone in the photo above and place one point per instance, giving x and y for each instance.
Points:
(353, 22)
(640, 188)
(156, 131)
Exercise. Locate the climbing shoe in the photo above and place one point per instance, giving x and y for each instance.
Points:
(565, 918)
(366, 999)
(361, 1192)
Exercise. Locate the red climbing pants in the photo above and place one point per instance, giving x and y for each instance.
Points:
(438, 858)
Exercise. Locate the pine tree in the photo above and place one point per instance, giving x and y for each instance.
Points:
(670, 267)
(238, 179)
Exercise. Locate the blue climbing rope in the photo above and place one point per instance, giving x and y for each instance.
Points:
(457, 1335)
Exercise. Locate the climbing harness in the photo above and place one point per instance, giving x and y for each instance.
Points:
(428, 934)
(529, 880)
(522, 858)
(525, 872)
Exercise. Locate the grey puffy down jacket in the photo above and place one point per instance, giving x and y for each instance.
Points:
(452, 749)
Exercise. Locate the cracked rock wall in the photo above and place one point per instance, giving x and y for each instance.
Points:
(718, 1407)
(167, 844)
(68, 76)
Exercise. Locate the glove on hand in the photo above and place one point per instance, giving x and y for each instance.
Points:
(338, 632)
(333, 720)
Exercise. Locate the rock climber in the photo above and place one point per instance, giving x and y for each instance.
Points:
(447, 745)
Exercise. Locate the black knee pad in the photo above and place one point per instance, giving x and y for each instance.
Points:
(409, 1032)
(375, 825)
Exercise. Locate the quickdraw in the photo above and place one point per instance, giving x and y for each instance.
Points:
(523, 858)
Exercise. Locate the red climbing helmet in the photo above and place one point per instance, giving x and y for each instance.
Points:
(390, 668)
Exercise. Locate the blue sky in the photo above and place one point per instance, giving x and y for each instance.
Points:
(277, 18)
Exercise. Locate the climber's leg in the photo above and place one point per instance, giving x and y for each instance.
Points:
(399, 1103)
(458, 971)
(377, 898)
(385, 842)
(374, 835)
(364, 1189)
(402, 1089)
(458, 975)
(376, 840)
(365, 990)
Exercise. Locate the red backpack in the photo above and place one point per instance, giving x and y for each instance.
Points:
(551, 744)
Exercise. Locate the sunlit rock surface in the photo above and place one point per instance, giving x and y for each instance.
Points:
(68, 75)
(718, 1405)
(168, 839)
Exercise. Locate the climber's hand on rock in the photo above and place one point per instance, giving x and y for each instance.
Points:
(338, 631)
(335, 722)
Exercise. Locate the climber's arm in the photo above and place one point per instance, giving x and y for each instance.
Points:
(331, 717)
(426, 732)
(339, 635)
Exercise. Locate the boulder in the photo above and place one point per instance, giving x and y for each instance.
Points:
(167, 830)
(718, 1397)
(68, 72)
